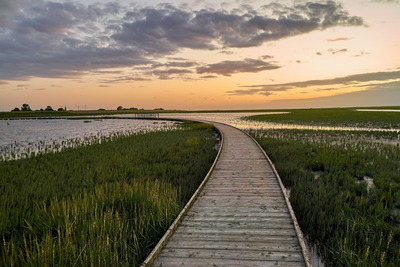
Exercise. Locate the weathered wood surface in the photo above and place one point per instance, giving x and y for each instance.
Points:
(240, 218)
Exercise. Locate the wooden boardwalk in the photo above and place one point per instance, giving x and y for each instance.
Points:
(240, 218)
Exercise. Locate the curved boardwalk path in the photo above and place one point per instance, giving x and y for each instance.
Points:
(240, 218)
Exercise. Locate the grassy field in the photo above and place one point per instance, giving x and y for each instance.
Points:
(336, 117)
(345, 191)
(103, 204)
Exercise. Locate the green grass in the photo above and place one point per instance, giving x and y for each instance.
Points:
(102, 204)
(335, 117)
(351, 223)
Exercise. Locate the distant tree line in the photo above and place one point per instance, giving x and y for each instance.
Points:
(26, 107)
(122, 108)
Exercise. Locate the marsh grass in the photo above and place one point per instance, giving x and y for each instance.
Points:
(340, 117)
(100, 204)
(352, 224)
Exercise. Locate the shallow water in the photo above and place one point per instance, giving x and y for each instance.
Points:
(16, 136)
(236, 119)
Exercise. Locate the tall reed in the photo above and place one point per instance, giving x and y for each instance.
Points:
(102, 204)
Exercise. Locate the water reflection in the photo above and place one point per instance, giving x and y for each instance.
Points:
(17, 136)
(236, 119)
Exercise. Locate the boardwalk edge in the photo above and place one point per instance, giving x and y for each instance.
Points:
(295, 223)
(153, 255)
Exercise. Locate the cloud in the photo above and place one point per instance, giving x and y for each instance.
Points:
(41, 38)
(169, 28)
(166, 74)
(333, 51)
(266, 57)
(362, 53)
(124, 79)
(9, 8)
(176, 64)
(227, 68)
(339, 39)
(209, 77)
(379, 95)
(346, 80)
(60, 40)
(226, 52)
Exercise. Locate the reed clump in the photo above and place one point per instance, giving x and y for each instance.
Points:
(105, 203)
(345, 192)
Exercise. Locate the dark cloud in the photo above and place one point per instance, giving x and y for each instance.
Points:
(168, 29)
(40, 38)
(58, 40)
(8, 8)
(347, 80)
(227, 68)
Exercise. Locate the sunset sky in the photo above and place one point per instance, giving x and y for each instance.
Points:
(243, 54)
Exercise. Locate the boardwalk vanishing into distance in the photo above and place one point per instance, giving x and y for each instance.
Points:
(241, 217)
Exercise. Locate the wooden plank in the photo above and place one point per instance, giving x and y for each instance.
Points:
(173, 262)
(227, 237)
(193, 214)
(234, 237)
(231, 245)
(207, 254)
(239, 203)
(239, 225)
(240, 218)
(272, 231)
